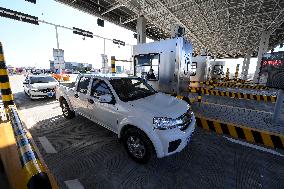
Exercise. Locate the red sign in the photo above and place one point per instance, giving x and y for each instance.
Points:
(271, 63)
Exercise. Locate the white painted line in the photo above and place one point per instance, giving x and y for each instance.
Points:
(254, 146)
(74, 184)
(47, 145)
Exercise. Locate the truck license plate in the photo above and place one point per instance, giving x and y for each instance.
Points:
(50, 94)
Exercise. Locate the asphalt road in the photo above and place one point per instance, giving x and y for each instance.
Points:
(92, 155)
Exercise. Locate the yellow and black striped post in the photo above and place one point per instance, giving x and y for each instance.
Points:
(5, 87)
(237, 72)
(227, 75)
(113, 64)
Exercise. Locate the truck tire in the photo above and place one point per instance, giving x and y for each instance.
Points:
(67, 113)
(138, 146)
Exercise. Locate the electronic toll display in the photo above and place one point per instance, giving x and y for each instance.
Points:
(272, 65)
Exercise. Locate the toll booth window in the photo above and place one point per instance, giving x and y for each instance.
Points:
(193, 68)
(218, 70)
(99, 88)
(147, 66)
(83, 84)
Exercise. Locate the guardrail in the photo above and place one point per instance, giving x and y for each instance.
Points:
(36, 176)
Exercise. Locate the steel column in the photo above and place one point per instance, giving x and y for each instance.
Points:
(141, 30)
(263, 48)
(245, 67)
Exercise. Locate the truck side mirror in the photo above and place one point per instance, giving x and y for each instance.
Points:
(107, 98)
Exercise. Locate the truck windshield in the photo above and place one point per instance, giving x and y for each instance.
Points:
(129, 89)
(42, 79)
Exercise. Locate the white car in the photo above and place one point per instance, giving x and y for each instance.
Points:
(149, 123)
(40, 86)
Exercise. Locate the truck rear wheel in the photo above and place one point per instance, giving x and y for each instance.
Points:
(67, 113)
(138, 146)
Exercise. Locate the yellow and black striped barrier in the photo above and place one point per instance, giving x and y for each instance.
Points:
(34, 171)
(237, 95)
(265, 138)
(239, 84)
(242, 86)
(5, 87)
(112, 64)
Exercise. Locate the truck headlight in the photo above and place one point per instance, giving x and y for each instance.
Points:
(34, 90)
(164, 123)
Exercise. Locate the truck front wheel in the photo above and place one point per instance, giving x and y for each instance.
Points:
(138, 146)
(67, 113)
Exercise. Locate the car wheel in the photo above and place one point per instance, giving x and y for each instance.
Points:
(138, 146)
(67, 113)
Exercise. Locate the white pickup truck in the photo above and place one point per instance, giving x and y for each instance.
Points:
(149, 123)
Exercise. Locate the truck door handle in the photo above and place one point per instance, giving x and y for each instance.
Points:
(91, 101)
(76, 95)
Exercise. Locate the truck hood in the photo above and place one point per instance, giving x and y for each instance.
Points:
(44, 85)
(160, 105)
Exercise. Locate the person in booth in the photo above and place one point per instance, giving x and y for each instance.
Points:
(151, 75)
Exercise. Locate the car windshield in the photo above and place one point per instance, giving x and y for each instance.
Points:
(129, 89)
(43, 79)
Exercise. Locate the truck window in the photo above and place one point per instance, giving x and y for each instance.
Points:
(99, 88)
(83, 84)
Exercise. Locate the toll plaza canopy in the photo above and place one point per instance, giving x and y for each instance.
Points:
(228, 28)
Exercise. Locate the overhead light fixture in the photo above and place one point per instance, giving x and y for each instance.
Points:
(31, 1)
(100, 22)
(135, 35)
(7, 13)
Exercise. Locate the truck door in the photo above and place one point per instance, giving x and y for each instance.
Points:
(104, 113)
(79, 99)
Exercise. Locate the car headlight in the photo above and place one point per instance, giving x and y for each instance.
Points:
(164, 123)
(181, 122)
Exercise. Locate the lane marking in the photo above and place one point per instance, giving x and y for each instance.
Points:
(254, 146)
(47, 145)
(74, 184)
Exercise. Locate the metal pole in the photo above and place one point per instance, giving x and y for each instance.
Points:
(6, 92)
(278, 105)
(57, 41)
(104, 46)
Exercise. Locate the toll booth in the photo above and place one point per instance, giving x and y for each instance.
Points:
(170, 61)
(204, 69)
(216, 70)
(200, 68)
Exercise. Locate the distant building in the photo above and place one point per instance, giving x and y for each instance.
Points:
(72, 66)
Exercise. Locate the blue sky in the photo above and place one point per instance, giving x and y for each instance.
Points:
(30, 45)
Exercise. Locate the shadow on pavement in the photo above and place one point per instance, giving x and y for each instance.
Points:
(92, 154)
